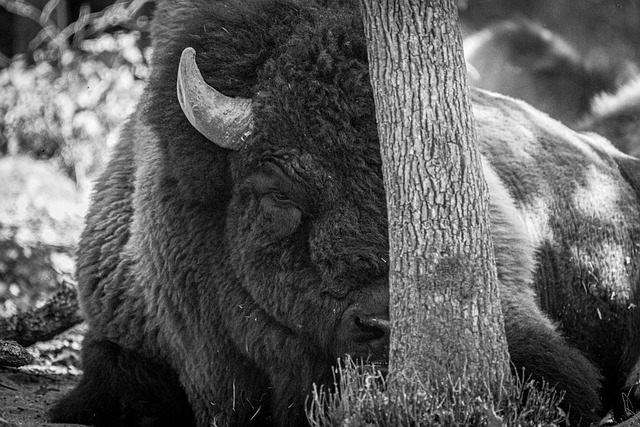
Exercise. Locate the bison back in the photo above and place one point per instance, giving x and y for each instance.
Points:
(580, 201)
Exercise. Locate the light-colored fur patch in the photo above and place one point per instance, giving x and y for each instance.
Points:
(507, 226)
(514, 242)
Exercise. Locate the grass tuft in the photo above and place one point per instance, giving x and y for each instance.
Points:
(361, 397)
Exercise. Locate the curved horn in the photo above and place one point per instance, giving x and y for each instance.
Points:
(223, 120)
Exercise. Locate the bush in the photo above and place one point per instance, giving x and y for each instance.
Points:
(71, 112)
(67, 109)
(41, 215)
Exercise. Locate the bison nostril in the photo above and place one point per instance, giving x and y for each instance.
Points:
(363, 334)
(372, 328)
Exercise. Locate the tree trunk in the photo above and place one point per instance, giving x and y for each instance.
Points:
(445, 309)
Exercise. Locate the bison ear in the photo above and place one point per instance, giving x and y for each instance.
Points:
(223, 120)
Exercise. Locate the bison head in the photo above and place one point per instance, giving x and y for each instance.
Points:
(310, 251)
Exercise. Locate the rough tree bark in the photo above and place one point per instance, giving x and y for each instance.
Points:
(445, 309)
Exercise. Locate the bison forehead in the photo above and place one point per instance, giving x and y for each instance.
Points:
(317, 122)
(305, 70)
(316, 95)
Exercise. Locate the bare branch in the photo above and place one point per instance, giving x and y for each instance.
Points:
(26, 10)
(57, 315)
(13, 354)
(48, 9)
(87, 24)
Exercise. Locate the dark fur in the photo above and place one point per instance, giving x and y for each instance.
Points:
(124, 389)
(191, 259)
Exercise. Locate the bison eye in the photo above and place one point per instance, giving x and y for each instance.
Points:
(280, 197)
(280, 216)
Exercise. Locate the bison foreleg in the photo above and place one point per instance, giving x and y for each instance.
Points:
(539, 351)
(120, 387)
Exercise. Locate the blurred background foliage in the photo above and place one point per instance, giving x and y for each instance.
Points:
(72, 70)
(68, 111)
(63, 98)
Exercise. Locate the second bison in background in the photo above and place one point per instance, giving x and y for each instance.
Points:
(526, 61)
(237, 243)
(617, 116)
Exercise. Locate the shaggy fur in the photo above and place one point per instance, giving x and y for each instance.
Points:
(581, 206)
(240, 271)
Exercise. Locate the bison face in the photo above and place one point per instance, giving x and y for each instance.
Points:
(305, 239)
(299, 261)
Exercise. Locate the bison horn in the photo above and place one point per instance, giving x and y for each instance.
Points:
(223, 120)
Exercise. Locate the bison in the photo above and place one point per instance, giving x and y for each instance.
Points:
(520, 58)
(237, 242)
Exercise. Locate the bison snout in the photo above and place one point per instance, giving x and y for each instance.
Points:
(372, 328)
(364, 336)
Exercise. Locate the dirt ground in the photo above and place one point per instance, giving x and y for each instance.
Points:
(27, 393)
(25, 396)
